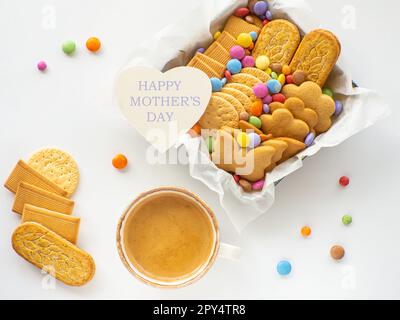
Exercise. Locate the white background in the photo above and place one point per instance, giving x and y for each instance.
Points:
(70, 107)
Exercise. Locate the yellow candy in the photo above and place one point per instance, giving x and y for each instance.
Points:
(243, 139)
(262, 62)
(269, 71)
(282, 79)
(216, 35)
(244, 40)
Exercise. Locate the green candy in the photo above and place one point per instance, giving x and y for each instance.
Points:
(255, 121)
(69, 47)
(210, 143)
(347, 219)
(328, 92)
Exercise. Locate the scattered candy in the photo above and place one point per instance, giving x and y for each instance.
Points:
(289, 79)
(201, 50)
(223, 81)
(338, 107)
(243, 139)
(279, 97)
(236, 178)
(244, 40)
(266, 108)
(276, 67)
(257, 107)
(299, 77)
(268, 70)
(246, 186)
(237, 52)
(260, 90)
(282, 79)
(305, 231)
(274, 75)
(216, 84)
(309, 139)
(337, 252)
(228, 75)
(255, 140)
(328, 92)
(344, 181)
(268, 15)
(249, 19)
(255, 121)
(274, 86)
(244, 116)
(347, 219)
(248, 62)
(93, 44)
(120, 161)
(253, 35)
(262, 62)
(265, 22)
(267, 99)
(210, 144)
(251, 4)
(69, 47)
(216, 35)
(286, 70)
(241, 12)
(258, 186)
(42, 65)
(234, 66)
(260, 8)
(284, 267)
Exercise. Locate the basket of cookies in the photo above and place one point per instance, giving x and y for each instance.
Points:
(278, 96)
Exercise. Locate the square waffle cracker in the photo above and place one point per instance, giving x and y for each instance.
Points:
(236, 26)
(29, 194)
(217, 52)
(226, 40)
(317, 55)
(196, 63)
(218, 67)
(278, 40)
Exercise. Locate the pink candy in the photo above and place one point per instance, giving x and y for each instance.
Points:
(260, 90)
(237, 52)
(236, 178)
(258, 186)
(248, 62)
(267, 99)
(42, 65)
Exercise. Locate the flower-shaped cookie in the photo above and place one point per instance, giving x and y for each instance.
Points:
(282, 124)
(311, 94)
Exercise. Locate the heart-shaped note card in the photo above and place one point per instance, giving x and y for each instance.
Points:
(162, 106)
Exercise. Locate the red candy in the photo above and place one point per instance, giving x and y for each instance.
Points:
(265, 22)
(289, 79)
(228, 75)
(241, 12)
(279, 97)
(236, 178)
(344, 181)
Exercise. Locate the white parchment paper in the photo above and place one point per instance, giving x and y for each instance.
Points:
(176, 44)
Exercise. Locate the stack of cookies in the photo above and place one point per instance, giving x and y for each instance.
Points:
(48, 232)
(268, 102)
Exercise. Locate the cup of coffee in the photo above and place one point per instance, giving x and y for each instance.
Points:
(168, 237)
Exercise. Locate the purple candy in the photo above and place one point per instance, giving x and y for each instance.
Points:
(258, 186)
(266, 108)
(309, 139)
(260, 90)
(255, 140)
(201, 50)
(260, 8)
(268, 99)
(248, 62)
(262, 17)
(268, 15)
(338, 107)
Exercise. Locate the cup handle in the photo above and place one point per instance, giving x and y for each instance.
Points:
(228, 251)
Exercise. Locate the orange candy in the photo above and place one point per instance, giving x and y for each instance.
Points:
(195, 131)
(256, 108)
(286, 70)
(305, 231)
(120, 161)
(93, 44)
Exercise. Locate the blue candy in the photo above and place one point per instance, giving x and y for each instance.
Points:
(223, 81)
(284, 267)
(268, 15)
(253, 35)
(255, 140)
(266, 108)
(216, 84)
(309, 139)
(234, 66)
(274, 86)
(260, 7)
(338, 107)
